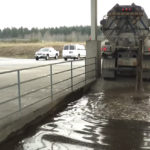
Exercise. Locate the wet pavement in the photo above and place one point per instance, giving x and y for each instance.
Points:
(111, 117)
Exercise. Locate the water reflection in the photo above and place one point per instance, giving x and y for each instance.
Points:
(81, 127)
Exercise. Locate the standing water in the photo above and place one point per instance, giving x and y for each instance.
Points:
(108, 118)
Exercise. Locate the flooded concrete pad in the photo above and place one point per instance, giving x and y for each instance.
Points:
(104, 119)
(80, 126)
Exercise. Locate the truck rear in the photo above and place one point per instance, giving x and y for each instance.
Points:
(123, 27)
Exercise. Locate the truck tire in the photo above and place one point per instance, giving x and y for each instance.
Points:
(146, 68)
(108, 69)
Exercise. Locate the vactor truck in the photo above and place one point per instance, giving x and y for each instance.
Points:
(123, 27)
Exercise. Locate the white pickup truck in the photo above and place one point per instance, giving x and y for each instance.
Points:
(73, 51)
(46, 53)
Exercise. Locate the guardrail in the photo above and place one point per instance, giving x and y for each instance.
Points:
(23, 88)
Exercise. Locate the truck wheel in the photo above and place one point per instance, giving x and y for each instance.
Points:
(146, 68)
(56, 57)
(37, 58)
(65, 59)
(108, 69)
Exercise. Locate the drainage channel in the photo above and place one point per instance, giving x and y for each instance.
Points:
(109, 117)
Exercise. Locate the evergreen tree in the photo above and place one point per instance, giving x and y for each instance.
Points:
(73, 33)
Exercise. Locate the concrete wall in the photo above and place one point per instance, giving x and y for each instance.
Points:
(93, 50)
(14, 124)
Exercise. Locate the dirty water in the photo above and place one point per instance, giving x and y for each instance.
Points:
(111, 117)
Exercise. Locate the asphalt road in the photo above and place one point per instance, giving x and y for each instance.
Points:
(13, 63)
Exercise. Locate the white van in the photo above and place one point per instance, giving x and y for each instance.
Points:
(73, 51)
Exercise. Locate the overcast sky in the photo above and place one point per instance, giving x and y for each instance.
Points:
(55, 13)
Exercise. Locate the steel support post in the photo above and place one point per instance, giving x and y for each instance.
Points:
(139, 69)
(71, 77)
(93, 19)
(19, 90)
(85, 70)
(51, 80)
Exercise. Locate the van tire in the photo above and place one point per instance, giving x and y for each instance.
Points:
(78, 56)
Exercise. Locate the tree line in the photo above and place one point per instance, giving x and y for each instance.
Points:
(74, 33)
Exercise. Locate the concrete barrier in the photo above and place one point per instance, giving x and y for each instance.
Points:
(18, 122)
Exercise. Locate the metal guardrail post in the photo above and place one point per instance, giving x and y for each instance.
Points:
(71, 77)
(51, 80)
(85, 71)
(19, 90)
(96, 74)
